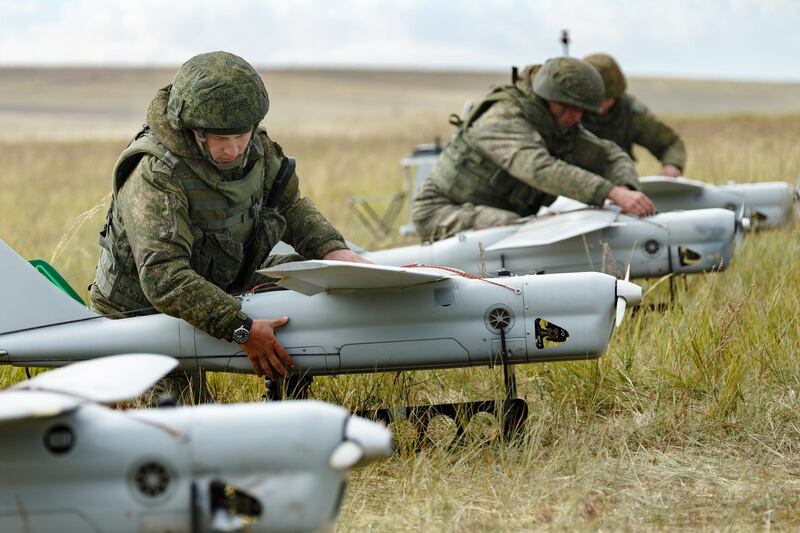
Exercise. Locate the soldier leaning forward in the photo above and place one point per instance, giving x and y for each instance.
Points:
(520, 147)
(200, 197)
(627, 121)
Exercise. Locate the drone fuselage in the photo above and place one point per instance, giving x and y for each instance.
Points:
(443, 324)
(176, 469)
(682, 242)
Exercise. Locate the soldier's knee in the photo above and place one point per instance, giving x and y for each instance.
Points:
(489, 217)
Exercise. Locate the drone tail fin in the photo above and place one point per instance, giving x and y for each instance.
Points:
(28, 300)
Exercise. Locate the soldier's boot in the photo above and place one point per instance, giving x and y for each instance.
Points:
(292, 388)
(185, 387)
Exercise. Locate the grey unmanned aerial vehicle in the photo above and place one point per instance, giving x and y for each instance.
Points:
(71, 464)
(767, 204)
(344, 318)
(586, 239)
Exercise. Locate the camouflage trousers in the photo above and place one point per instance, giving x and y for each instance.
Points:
(437, 218)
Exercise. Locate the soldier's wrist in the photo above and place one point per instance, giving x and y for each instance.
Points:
(236, 321)
(602, 193)
(331, 246)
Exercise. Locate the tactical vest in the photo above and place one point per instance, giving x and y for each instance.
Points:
(231, 233)
(615, 125)
(465, 173)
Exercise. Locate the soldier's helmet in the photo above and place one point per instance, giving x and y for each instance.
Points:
(218, 92)
(570, 81)
(612, 75)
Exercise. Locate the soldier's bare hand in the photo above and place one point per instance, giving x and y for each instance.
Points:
(265, 352)
(670, 171)
(346, 255)
(632, 202)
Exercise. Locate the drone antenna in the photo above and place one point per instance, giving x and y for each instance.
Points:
(565, 41)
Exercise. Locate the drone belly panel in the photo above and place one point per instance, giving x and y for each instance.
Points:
(568, 316)
(439, 325)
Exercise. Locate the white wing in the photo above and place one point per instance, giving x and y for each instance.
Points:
(555, 228)
(655, 185)
(312, 277)
(18, 405)
(105, 380)
(562, 204)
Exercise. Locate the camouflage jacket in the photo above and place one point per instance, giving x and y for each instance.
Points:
(180, 238)
(510, 154)
(630, 122)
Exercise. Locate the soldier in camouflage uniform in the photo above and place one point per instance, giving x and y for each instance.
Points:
(520, 147)
(196, 210)
(627, 121)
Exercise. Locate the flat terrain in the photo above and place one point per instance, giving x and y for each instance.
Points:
(91, 102)
(690, 421)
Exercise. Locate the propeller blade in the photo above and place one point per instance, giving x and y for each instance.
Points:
(627, 294)
(346, 455)
(741, 225)
(364, 442)
(621, 303)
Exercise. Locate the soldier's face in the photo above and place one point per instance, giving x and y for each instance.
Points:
(566, 116)
(226, 148)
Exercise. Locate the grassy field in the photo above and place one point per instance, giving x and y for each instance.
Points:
(690, 421)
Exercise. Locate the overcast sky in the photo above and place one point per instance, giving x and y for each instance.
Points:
(737, 39)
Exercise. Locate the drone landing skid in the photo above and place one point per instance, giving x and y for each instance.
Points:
(513, 411)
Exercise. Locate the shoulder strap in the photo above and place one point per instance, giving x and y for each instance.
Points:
(285, 173)
(507, 93)
(143, 143)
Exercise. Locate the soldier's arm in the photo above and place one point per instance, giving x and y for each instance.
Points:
(508, 139)
(606, 159)
(155, 214)
(307, 230)
(658, 138)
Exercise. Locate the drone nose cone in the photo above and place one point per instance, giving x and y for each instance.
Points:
(364, 442)
(630, 292)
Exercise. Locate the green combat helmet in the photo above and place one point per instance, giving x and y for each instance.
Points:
(570, 81)
(612, 75)
(217, 92)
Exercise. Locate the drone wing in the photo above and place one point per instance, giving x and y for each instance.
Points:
(19, 405)
(555, 228)
(659, 185)
(105, 380)
(562, 204)
(312, 277)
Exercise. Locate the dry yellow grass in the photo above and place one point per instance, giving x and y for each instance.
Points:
(690, 421)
